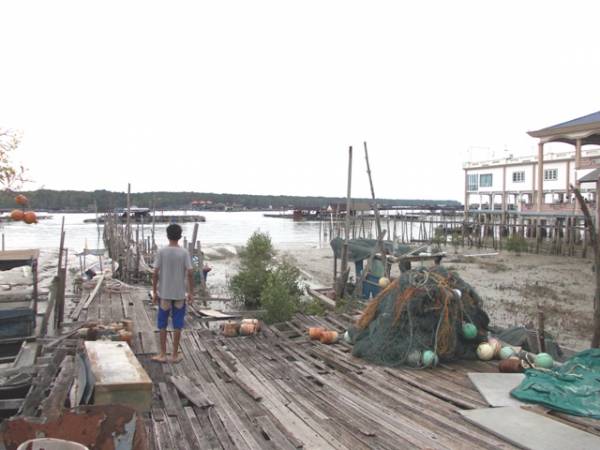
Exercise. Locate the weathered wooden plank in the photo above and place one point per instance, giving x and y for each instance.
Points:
(170, 399)
(326, 301)
(224, 367)
(277, 438)
(214, 314)
(85, 305)
(53, 405)
(125, 305)
(142, 323)
(237, 431)
(205, 439)
(448, 395)
(161, 432)
(218, 427)
(191, 391)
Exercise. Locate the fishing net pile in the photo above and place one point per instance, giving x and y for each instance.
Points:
(421, 312)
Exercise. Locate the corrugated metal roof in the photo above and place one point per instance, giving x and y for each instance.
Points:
(590, 177)
(584, 120)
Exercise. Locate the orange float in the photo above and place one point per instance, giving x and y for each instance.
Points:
(230, 329)
(21, 200)
(255, 322)
(17, 215)
(29, 217)
(247, 329)
(315, 332)
(329, 337)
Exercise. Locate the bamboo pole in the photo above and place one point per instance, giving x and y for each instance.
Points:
(375, 208)
(344, 269)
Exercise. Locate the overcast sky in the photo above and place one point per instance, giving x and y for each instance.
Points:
(264, 97)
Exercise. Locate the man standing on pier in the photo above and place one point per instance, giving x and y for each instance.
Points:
(172, 267)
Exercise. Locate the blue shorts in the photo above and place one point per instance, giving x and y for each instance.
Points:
(168, 307)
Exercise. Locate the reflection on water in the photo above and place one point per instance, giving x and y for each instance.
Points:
(219, 228)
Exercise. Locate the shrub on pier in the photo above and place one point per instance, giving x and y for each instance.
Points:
(280, 297)
(255, 263)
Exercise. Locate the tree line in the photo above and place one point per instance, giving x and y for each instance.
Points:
(54, 200)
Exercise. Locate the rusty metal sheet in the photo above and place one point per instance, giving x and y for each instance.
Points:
(106, 427)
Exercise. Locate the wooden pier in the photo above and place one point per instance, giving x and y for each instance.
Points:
(275, 390)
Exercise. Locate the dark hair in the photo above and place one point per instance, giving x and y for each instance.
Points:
(174, 232)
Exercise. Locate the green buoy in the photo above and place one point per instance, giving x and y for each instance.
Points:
(543, 361)
(430, 359)
(469, 330)
(506, 352)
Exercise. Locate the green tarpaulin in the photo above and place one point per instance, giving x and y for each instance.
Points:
(573, 388)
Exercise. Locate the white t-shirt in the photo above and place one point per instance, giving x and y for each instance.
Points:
(172, 264)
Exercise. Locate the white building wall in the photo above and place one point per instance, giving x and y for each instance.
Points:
(525, 185)
(496, 173)
(560, 183)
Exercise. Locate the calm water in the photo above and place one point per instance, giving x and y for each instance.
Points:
(219, 228)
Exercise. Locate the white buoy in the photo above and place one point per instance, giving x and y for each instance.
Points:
(485, 351)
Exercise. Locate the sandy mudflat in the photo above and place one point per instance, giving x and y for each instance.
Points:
(511, 286)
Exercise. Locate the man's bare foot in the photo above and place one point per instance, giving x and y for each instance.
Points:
(175, 358)
(160, 358)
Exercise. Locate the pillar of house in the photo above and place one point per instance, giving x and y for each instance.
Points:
(577, 161)
(466, 192)
(540, 177)
(504, 188)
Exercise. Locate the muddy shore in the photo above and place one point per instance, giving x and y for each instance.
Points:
(511, 286)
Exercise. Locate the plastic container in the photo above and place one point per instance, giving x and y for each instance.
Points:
(51, 444)
(371, 286)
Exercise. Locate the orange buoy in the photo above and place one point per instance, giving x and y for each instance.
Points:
(315, 332)
(230, 329)
(29, 217)
(246, 329)
(21, 200)
(329, 337)
(17, 215)
(256, 323)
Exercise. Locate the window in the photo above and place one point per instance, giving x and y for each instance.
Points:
(518, 177)
(472, 183)
(550, 174)
(485, 180)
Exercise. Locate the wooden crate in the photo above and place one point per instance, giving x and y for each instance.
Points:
(118, 377)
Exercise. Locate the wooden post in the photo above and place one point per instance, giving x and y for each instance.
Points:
(192, 244)
(137, 253)
(594, 240)
(344, 269)
(153, 222)
(375, 208)
(61, 274)
(541, 336)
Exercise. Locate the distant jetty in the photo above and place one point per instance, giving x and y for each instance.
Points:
(142, 215)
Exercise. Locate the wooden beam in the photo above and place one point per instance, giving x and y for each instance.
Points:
(341, 282)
